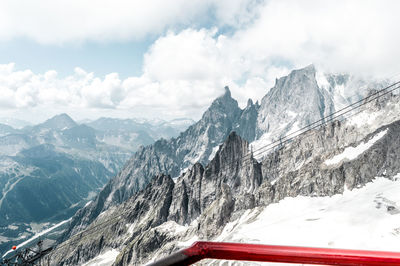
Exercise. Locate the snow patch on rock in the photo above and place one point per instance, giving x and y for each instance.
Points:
(351, 153)
(213, 152)
(105, 259)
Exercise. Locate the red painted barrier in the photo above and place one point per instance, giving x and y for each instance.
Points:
(270, 253)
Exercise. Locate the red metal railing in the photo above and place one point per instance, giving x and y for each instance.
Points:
(269, 253)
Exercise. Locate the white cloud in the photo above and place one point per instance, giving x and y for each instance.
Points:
(189, 55)
(240, 12)
(49, 22)
(184, 70)
(82, 93)
(354, 36)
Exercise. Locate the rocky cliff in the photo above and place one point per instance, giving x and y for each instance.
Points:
(166, 214)
(214, 190)
(171, 157)
(294, 102)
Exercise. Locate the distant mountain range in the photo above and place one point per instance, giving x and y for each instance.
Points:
(14, 122)
(133, 133)
(49, 170)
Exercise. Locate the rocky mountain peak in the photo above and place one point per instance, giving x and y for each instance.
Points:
(233, 147)
(211, 191)
(249, 103)
(223, 106)
(246, 124)
(308, 71)
(294, 98)
(173, 156)
(227, 91)
(225, 98)
(226, 173)
(296, 77)
(59, 122)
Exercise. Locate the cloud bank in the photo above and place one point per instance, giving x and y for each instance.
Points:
(186, 68)
(71, 21)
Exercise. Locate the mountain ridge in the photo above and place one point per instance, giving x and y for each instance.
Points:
(205, 198)
(168, 156)
(197, 154)
(199, 142)
(68, 159)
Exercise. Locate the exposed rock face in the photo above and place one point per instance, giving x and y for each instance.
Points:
(210, 194)
(297, 169)
(166, 156)
(295, 101)
(205, 199)
(226, 175)
(193, 145)
(247, 122)
(146, 210)
(207, 196)
(295, 98)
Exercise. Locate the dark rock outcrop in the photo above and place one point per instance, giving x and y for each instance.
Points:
(144, 211)
(166, 156)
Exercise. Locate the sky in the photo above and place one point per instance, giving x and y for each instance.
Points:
(171, 59)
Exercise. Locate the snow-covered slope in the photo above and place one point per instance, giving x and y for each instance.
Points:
(105, 259)
(366, 218)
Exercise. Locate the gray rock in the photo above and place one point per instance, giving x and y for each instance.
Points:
(146, 210)
(165, 156)
(295, 98)
(210, 193)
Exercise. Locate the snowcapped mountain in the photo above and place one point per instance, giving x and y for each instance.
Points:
(345, 89)
(214, 186)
